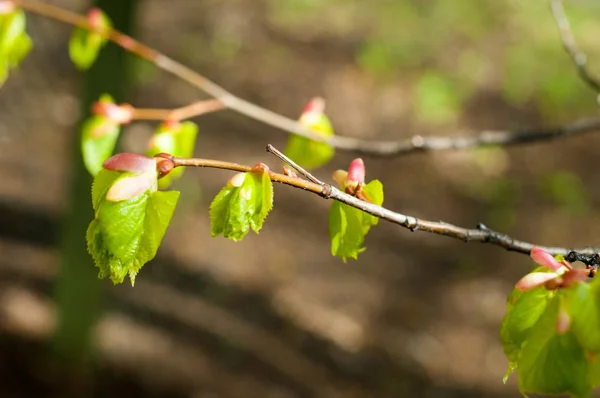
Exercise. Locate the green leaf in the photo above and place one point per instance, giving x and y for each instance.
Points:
(85, 45)
(309, 153)
(374, 191)
(125, 235)
(348, 226)
(347, 230)
(553, 363)
(179, 141)
(523, 312)
(583, 304)
(241, 205)
(263, 199)
(15, 44)
(99, 137)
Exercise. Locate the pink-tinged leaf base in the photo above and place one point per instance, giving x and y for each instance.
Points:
(535, 279)
(130, 187)
(6, 7)
(121, 114)
(237, 180)
(130, 162)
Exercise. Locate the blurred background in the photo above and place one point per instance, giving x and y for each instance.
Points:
(275, 315)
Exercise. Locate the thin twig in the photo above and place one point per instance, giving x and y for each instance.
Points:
(299, 169)
(568, 40)
(481, 234)
(196, 109)
(413, 144)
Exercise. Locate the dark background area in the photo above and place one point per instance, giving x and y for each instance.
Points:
(275, 315)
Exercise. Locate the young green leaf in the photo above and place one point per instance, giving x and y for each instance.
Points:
(583, 303)
(15, 44)
(552, 362)
(177, 139)
(524, 311)
(348, 226)
(99, 137)
(347, 230)
(242, 204)
(85, 45)
(125, 234)
(306, 152)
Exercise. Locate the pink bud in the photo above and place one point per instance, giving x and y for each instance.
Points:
(120, 114)
(545, 259)
(94, 16)
(130, 187)
(563, 322)
(131, 162)
(356, 172)
(534, 279)
(6, 7)
(96, 20)
(315, 105)
(237, 180)
(313, 111)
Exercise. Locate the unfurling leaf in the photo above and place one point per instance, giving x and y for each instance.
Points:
(348, 226)
(177, 139)
(99, 137)
(15, 44)
(550, 333)
(242, 204)
(101, 131)
(85, 44)
(306, 152)
(131, 217)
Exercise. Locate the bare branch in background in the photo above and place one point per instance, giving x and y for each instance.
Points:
(568, 40)
(416, 143)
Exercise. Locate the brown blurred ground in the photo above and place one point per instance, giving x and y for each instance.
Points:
(275, 315)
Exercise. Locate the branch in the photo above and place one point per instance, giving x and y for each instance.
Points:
(570, 45)
(185, 112)
(417, 143)
(481, 234)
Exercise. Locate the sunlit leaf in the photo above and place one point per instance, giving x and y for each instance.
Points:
(522, 314)
(177, 139)
(583, 303)
(85, 45)
(346, 230)
(242, 204)
(125, 235)
(306, 152)
(15, 44)
(553, 363)
(99, 137)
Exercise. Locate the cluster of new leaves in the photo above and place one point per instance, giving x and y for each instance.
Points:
(348, 225)
(15, 43)
(551, 330)
(242, 204)
(130, 215)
